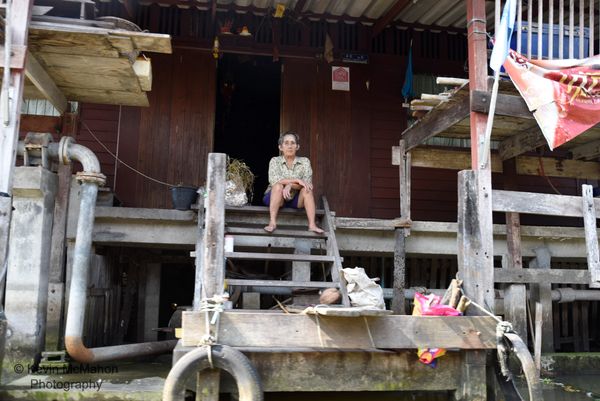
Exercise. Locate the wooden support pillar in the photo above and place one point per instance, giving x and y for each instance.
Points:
(18, 23)
(207, 385)
(399, 276)
(475, 237)
(591, 235)
(542, 293)
(213, 257)
(301, 271)
(148, 305)
(58, 255)
(477, 56)
(213, 269)
(199, 255)
(473, 377)
(515, 295)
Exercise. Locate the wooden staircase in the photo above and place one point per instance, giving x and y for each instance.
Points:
(292, 225)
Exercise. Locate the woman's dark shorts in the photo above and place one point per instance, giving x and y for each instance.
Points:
(293, 203)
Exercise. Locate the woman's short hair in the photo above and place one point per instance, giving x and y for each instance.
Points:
(292, 133)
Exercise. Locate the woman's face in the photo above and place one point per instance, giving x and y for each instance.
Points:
(289, 147)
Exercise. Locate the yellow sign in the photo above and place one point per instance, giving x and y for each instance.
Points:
(279, 11)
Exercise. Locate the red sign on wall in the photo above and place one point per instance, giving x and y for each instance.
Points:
(340, 78)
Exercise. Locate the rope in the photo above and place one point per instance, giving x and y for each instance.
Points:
(369, 332)
(122, 162)
(319, 330)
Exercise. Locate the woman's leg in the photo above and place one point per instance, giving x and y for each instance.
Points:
(306, 199)
(274, 205)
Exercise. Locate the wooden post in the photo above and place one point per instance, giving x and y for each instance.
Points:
(398, 302)
(477, 50)
(199, 255)
(515, 295)
(539, 327)
(213, 262)
(475, 239)
(301, 271)
(542, 293)
(58, 255)
(213, 269)
(473, 383)
(9, 134)
(591, 235)
(207, 385)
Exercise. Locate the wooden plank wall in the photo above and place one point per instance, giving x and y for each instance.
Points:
(169, 140)
(334, 127)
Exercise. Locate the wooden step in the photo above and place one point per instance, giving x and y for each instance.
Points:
(283, 257)
(280, 283)
(279, 232)
(265, 210)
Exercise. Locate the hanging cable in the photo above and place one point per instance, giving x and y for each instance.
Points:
(122, 162)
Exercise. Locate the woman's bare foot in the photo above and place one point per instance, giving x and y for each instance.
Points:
(315, 229)
(270, 228)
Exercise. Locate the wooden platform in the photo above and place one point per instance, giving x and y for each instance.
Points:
(515, 130)
(278, 330)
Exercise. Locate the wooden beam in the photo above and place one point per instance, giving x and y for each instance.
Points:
(389, 16)
(591, 235)
(17, 56)
(526, 165)
(542, 204)
(40, 78)
(587, 151)
(531, 276)
(521, 143)
(455, 110)
(506, 105)
(34, 123)
(274, 330)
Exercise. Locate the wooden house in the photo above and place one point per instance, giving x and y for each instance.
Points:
(206, 77)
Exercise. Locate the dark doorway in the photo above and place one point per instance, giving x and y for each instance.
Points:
(247, 120)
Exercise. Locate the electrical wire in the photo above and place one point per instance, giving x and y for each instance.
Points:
(122, 162)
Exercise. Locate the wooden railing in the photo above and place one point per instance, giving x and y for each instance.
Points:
(571, 18)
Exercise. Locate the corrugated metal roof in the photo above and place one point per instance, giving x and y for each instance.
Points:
(426, 13)
(444, 13)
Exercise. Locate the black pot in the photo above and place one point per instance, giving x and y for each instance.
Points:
(183, 197)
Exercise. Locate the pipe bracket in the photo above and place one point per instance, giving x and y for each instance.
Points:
(91, 177)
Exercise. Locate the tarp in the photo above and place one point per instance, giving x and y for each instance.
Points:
(564, 95)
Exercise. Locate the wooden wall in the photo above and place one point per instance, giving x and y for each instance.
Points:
(168, 141)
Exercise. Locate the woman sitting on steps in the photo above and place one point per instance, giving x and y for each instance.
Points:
(290, 183)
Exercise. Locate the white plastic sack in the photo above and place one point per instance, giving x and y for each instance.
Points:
(362, 290)
(234, 194)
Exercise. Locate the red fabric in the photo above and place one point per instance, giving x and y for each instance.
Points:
(564, 95)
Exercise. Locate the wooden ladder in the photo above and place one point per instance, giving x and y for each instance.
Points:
(332, 256)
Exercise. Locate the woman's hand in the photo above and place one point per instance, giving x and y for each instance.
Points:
(287, 189)
(307, 185)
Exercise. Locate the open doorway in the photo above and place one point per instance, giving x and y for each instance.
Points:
(247, 120)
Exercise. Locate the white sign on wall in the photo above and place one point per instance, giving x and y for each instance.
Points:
(340, 78)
